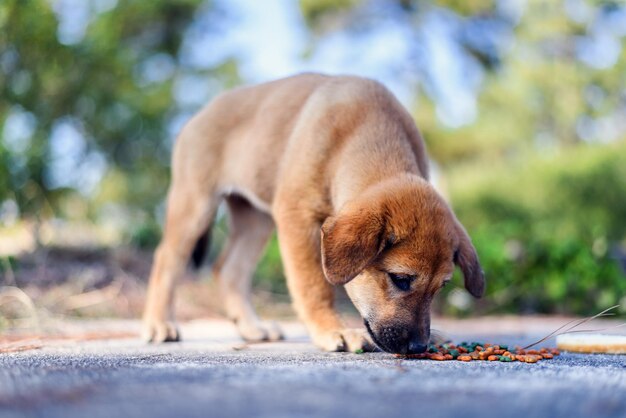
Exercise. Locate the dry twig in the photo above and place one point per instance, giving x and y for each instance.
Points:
(577, 324)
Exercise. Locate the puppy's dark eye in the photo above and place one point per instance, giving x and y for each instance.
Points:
(401, 281)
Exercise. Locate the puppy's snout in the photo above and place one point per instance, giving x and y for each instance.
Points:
(398, 338)
(416, 347)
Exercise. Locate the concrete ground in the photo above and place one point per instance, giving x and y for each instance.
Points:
(212, 373)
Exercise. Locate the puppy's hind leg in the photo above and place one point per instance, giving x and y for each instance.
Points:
(249, 232)
(189, 214)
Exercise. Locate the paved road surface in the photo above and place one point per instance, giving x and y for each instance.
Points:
(213, 375)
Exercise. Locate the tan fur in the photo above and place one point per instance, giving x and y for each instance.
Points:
(339, 167)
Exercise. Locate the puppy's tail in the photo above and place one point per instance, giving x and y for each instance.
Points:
(201, 249)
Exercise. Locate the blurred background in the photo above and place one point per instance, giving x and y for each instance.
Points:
(522, 104)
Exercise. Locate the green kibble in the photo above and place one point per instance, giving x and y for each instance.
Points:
(454, 353)
(359, 351)
(505, 359)
(432, 349)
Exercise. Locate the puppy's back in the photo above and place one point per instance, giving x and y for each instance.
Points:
(243, 134)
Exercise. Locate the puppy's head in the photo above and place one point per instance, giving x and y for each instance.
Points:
(394, 248)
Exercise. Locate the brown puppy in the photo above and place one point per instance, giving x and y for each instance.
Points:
(339, 168)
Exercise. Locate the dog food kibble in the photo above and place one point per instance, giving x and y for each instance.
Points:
(486, 352)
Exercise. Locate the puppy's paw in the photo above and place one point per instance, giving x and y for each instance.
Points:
(256, 331)
(347, 339)
(159, 332)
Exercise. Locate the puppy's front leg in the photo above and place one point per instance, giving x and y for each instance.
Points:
(313, 296)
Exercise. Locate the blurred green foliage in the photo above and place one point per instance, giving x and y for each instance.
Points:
(146, 235)
(7, 263)
(114, 84)
(548, 230)
(317, 12)
(269, 274)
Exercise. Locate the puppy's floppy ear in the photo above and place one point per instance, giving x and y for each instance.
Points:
(350, 241)
(467, 260)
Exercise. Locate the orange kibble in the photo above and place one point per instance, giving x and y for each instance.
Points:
(412, 356)
(485, 352)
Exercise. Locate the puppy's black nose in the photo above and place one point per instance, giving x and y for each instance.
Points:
(416, 348)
